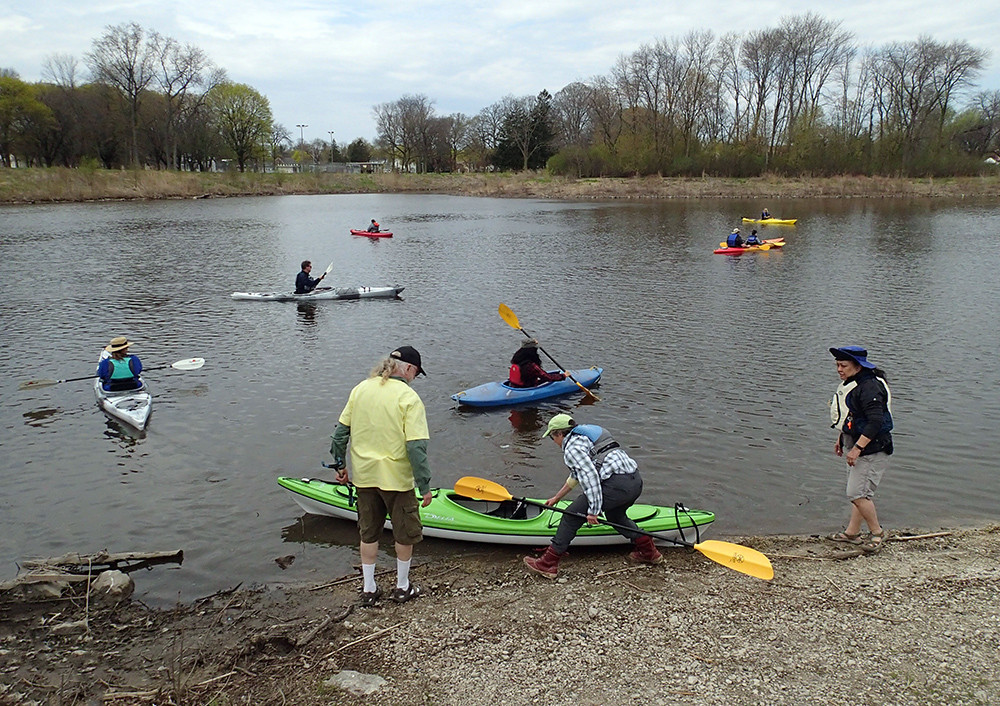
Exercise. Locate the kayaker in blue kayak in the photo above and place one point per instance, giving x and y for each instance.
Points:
(117, 369)
(862, 415)
(753, 239)
(611, 485)
(386, 425)
(374, 227)
(735, 240)
(303, 282)
(526, 367)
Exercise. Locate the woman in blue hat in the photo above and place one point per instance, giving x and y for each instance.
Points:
(861, 413)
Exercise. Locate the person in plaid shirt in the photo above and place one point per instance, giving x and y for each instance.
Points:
(610, 482)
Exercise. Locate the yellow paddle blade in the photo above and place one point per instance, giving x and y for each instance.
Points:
(481, 489)
(723, 245)
(765, 246)
(509, 316)
(738, 558)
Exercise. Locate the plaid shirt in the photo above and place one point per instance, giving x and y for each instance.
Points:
(576, 454)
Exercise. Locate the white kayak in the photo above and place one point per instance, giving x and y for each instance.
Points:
(322, 293)
(130, 406)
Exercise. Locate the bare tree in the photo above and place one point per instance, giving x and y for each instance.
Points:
(178, 70)
(572, 116)
(124, 58)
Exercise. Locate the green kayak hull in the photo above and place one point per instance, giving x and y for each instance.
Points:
(453, 516)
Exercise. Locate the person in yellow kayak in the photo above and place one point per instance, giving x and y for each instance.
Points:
(611, 484)
(765, 214)
(735, 240)
(117, 369)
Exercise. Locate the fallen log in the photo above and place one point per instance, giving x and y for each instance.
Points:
(105, 558)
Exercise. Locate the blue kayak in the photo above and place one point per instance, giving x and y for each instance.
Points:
(495, 394)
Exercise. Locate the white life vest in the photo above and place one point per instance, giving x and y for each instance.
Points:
(838, 405)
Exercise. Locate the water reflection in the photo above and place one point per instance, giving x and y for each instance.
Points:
(307, 313)
(326, 531)
(41, 417)
(125, 436)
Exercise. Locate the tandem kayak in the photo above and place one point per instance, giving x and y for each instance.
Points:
(772, 221)
(454, 516)
(495, 394)
(773, 243)
(322, 293)
(367, 234)
(130, 406)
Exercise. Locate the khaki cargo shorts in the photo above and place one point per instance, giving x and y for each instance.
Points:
(402, 508)
(865, 475)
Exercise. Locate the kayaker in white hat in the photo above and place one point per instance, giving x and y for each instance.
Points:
(610, 482)
(735, 240)
(117, 369)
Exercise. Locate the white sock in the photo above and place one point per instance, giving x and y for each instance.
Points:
(403, 573)
(368, 571)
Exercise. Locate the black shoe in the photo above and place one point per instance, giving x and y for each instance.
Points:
(370, 599)
(402, 595)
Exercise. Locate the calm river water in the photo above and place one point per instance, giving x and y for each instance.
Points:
(717, 375)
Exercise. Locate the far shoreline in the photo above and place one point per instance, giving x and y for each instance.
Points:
(62, 185)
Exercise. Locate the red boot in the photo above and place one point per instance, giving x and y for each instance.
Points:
(547, 564)
(645, 551)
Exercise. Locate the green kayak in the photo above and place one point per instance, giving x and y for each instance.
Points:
(453, 516)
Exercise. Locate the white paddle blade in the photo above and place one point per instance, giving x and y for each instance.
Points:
(328, 270)
(188, 364)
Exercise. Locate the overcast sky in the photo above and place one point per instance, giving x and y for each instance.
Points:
(325, 63)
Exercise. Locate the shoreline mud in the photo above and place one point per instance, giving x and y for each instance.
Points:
(916, 623)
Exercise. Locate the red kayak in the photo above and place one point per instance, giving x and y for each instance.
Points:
(367, 234)
(772, 244)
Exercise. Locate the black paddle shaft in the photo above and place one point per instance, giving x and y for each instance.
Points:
(689, 545)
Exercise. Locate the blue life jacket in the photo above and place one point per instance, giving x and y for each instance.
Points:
(734, 240)
(602, 440)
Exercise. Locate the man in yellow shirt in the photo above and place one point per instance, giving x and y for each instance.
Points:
(386, 425)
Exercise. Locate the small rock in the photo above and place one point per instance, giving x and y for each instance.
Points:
(355, 682)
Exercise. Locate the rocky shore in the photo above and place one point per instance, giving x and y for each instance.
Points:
(918, 623)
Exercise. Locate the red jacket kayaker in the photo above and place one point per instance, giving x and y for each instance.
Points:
(373, 228)
(526, 367)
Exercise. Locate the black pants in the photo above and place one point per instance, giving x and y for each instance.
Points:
(620, 493)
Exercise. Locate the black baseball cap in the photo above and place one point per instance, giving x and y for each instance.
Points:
(408, 354)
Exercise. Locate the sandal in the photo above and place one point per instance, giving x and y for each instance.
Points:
(875, 541)
(843, 536)
(370, 598)
(402, 595)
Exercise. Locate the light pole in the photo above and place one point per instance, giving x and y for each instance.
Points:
(330, 132)
(302, 133)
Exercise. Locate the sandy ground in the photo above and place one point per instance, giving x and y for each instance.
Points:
(918, 623)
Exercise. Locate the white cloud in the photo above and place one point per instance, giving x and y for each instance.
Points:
(327, 62)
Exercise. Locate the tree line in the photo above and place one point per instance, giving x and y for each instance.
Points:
(799, 98)
(145, 100)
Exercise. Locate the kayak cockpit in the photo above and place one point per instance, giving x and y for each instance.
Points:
(506, 509)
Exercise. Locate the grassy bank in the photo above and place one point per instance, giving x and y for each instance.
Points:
(64, 185)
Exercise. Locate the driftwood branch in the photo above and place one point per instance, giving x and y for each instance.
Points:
(104, 558)
(42, 577)
(907, 537)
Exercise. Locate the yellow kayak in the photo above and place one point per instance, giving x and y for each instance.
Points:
(772, 221)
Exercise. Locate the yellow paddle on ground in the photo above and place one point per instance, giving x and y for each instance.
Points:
(733, 556)
(511, 318)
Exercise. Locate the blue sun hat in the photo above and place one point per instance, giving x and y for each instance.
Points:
(856, 353)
